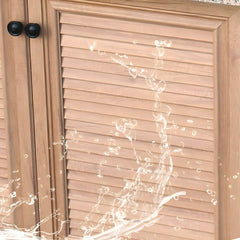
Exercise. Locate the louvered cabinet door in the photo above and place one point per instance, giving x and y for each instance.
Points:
(140, 101)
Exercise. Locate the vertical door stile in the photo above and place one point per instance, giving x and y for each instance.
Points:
(224, 134)
(234, 127)
(43, 142)
(216, 129)
(56, 119)
(19, 117)
(48, 115)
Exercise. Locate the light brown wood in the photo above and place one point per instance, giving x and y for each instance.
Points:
(125, 11)
(167, 220)
(216, 130)
(127, 37)
(79, 77)
(233, 163)
(229, 123)
(45, 181)
(136, 50)
(120, 80)
(158, 229)
(139, 82)
(18, 129)
(148, 136)
(180, 7)
(183, 162)
(72, 92)
(75, 232)
(201, 117)
(100, 88)
(4, 163)
(139, 114)
(167, 68)
(92, 188)
(55, 118)
(142, 125)
(171, 98)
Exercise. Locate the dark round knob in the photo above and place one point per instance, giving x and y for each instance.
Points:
(15, 28)
(32, 30)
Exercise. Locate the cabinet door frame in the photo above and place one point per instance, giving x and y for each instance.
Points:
(227, 73)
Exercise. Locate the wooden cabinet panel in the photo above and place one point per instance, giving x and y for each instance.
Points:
(136, 88)
(128, 117)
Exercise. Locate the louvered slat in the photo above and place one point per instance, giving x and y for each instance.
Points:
(143, 125)
(170, 210)
(135, 50)
(124, 36)
(190, 163)
(167, 220)
(1, 92)
(3, 163)
(171, 98)
(137, 27)
(139, 83)
(157, 228)
(185, 75)
(188, 113)
(145, 136)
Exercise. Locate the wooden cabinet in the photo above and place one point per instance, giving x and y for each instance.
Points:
(122, 117)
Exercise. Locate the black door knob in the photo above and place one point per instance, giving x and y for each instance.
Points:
(15, 28)
(32, 30)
